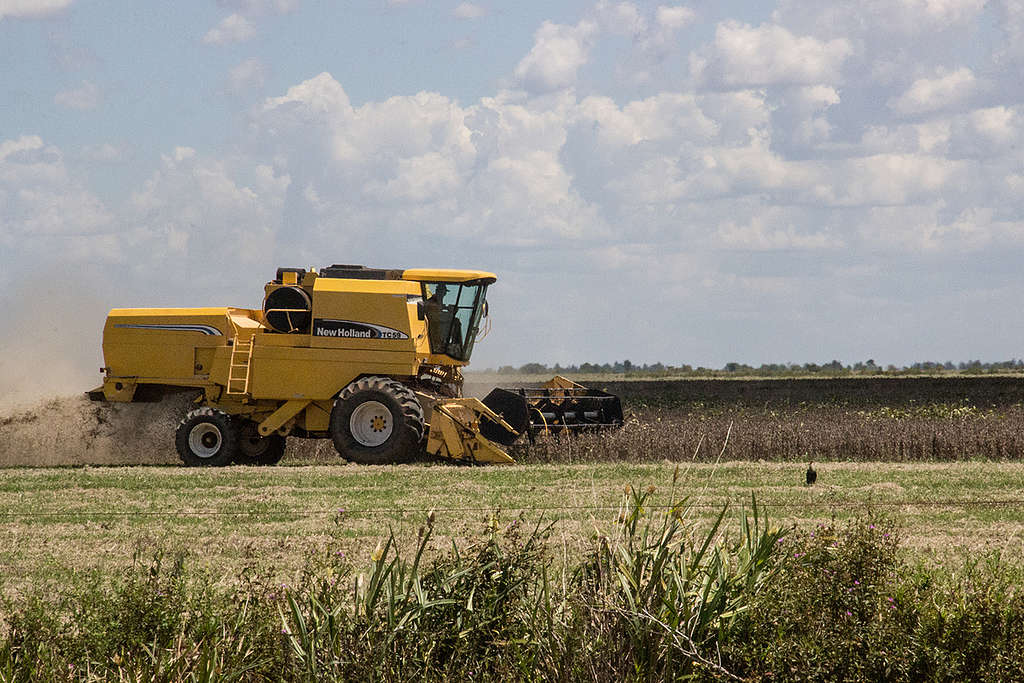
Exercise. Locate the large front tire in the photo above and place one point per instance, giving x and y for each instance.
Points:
(377, 421)
(206, 438)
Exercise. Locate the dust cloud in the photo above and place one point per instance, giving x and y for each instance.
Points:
(50, 342)
(72, 430)
(50, 355)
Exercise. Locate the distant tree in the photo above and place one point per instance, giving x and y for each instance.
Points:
(534, 369)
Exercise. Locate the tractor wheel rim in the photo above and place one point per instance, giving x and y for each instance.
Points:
(371, 424)
(205, 440)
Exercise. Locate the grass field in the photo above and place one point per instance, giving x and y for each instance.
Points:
(59, 522)
(903, 561)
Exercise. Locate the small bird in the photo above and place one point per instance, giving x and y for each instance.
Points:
(812, 476)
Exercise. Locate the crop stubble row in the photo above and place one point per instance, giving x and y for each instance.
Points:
(884, 419)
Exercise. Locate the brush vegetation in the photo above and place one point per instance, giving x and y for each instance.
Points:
(653, 596)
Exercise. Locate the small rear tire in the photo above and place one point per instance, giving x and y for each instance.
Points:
(206, 438)
(254, 449)
(377, 421)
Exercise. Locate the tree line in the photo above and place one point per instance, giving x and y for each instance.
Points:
(834, 368)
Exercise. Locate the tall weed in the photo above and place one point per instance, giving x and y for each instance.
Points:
(658, 596)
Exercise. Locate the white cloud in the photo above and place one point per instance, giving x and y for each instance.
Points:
(949, 11)
(469, 10)
(990, 133)
(920, 228)
(751, 168)
(320, 94)
(259, 7)
(886, 179)
(744, 55)
(419, 179)
(809, 104)
(246, 76)
(234, 28)
(759, 235)
(224, 218)
(620, 18)
(557, 54)
(665, 119)
(1001, 125)
(947, 90)
(30, 9)
(85, 96)
(1010, 19)
(44, 210)
(25, 143)
(491, 170)
(929, 138)
(673, 18)
(103, 153)
(815, 98)
(652, 33)
(857, 19)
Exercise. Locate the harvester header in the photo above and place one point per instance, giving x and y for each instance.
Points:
(370, 358)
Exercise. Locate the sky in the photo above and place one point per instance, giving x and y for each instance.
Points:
(692, 183)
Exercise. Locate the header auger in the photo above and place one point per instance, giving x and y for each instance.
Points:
(370, 358)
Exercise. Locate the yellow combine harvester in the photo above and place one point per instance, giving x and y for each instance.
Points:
(358, 355)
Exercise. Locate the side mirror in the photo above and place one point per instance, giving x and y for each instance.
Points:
(420, 313)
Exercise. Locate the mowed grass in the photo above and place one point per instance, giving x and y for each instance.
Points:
(56, 523)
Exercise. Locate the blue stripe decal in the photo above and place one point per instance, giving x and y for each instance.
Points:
(209, 330)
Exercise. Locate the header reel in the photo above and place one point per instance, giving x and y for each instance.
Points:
(559, 406)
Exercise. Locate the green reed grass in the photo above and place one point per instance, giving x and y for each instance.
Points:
(660, 594)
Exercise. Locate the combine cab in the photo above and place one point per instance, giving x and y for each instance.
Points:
(369, 358)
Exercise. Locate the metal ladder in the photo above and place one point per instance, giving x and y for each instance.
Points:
(241, 364)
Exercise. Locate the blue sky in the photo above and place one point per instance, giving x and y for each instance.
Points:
(692, 183)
